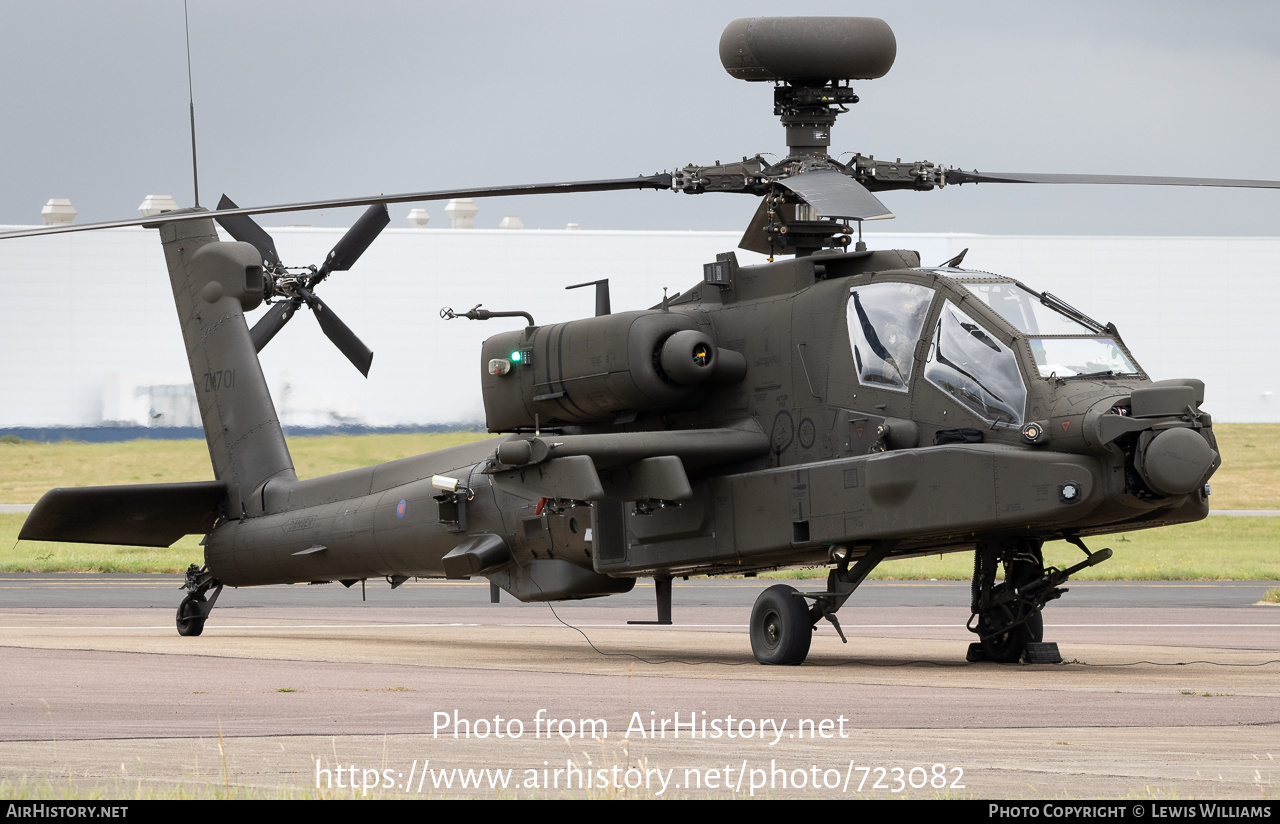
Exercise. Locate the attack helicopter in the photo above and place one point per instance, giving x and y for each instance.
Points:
(836, 406)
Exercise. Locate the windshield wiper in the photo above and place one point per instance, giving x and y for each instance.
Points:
(1061, 306)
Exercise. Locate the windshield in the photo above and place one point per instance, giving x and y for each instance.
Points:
(1030, 313)
(1084, 354)
(1080, 357)
(973, 367)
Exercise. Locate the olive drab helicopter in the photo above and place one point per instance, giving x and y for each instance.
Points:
(837, 406)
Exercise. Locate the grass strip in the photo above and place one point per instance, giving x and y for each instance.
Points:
(1215, 549)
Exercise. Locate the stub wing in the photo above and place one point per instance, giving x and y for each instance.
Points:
(620, 466)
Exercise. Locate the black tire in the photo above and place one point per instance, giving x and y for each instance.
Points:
(1024, 572)
(1035, 627)
(1006, 647)
(191, 617)
(781, 629)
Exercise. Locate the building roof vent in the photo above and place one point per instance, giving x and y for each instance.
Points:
(58, 212)
(511, 222)
(462, 213)
(418, 218)
(153, 205)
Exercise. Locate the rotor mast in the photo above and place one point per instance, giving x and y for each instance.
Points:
(811, 61)
(808, 112)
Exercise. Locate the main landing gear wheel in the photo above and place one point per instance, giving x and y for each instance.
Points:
(1035, 628)
(781, 627)
(191, 616)
(1007, 647)
(1010, 623)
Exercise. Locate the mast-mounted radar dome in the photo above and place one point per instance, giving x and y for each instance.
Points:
(807, 48)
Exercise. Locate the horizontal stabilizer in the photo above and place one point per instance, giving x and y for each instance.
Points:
(129, 515)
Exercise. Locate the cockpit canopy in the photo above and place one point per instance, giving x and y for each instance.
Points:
(965, 359)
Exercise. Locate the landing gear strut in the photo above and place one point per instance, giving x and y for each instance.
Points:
(195, 607)
(1007, 615)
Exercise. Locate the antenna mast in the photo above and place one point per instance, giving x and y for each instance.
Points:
(195, 175)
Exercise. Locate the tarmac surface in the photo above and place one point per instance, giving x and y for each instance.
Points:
(1168, 691)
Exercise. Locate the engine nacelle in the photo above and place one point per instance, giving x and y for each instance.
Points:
(596, 369)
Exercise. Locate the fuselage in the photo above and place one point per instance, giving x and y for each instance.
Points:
(890, 406)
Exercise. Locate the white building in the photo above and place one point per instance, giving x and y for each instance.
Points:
(88, 332)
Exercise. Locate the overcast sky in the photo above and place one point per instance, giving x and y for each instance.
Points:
(316, 99)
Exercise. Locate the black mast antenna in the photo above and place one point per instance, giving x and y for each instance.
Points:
(195, 175)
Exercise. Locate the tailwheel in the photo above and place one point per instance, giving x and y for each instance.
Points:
(191, 616)
(781, 626)
(194, 609)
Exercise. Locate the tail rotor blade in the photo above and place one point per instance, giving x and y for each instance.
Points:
(270, 323)
(246, 229)
(335, 330)
(348, 250)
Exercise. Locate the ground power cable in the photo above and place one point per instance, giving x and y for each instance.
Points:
(866, 663)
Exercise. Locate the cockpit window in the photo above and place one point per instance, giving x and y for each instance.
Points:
(1027, 311)
(885, 321)
(969, 364)
(1080, 357)
(1084, 354)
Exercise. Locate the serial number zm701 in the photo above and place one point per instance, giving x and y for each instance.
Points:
(223, 379)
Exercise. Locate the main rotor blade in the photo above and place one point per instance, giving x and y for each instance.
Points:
(348, 250)
(273, 321)
(956, 176)
(833, 194)
(335, 330)
(659, 181)
(244, 228)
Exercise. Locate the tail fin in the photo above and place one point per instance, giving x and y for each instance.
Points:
(214, 284)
